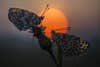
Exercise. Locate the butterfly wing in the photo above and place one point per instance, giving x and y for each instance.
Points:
(71, 45)
(75, 46)
(23, 19)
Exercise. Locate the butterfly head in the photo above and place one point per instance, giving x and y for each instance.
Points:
(41, 18)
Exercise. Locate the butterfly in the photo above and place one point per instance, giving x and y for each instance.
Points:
(23, 19)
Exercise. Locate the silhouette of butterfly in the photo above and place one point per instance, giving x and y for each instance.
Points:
(67, 44)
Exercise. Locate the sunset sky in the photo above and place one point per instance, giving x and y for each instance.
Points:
(20, 49)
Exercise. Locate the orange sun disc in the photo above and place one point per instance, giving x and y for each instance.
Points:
(54, 19)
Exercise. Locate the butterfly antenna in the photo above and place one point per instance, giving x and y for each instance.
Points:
(46, 9)
(64, 28)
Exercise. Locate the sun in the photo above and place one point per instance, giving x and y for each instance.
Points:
(54, 19)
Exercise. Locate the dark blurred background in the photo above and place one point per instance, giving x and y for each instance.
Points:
(19, 49)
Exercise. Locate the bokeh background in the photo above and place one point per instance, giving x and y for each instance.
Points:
(19, 49)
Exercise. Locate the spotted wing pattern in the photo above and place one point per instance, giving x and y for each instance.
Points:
(23, 19)
(71, 44)
(75, 46)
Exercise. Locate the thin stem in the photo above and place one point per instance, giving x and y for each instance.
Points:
(59, 55)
